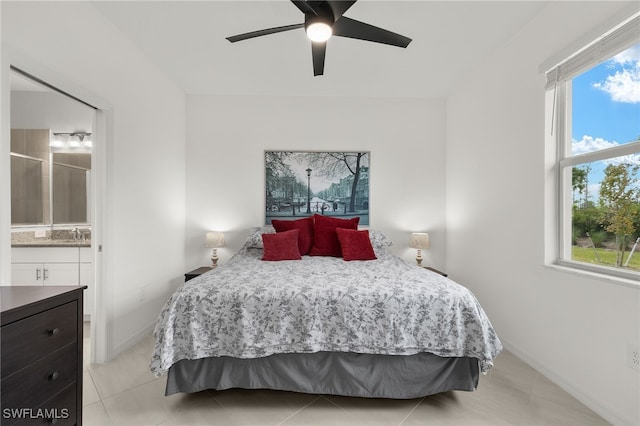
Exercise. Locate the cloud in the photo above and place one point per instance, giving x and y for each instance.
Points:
(591, 144)
(624, 85)
(629, 56)
(633, 159)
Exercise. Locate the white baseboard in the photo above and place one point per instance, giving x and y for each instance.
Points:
(133, 340)
(603, 410)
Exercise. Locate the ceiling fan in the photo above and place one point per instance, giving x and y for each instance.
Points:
(324, 18)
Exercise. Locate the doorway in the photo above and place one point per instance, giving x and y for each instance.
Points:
(55, 188)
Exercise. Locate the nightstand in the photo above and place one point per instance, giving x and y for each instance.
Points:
(435, 270)
(196, 272)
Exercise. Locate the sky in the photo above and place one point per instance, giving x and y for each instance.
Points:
(606, 109)
(318, 181)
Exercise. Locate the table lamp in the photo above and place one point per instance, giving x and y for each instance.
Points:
(214, 240)
(419, 240)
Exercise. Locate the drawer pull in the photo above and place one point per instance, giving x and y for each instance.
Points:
(54, 331)
(54, 376)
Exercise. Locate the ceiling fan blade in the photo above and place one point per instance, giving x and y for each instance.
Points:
(318, 51)
(346, 27)
(340, 6)
(306, 7)
(264, 32)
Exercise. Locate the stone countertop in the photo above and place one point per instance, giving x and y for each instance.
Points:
(55, 238)
(41, 242)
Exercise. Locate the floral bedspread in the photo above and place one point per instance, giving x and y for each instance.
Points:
(249, 308)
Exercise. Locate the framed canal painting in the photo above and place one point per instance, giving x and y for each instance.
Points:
(300, 184)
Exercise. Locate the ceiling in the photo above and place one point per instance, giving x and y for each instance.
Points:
(186, 39)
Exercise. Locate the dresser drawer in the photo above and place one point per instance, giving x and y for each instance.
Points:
(59, 410)
(30, 339)
(39, 382)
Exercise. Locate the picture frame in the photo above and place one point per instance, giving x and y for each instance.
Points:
(300, 184)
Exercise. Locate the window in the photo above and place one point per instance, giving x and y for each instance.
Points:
(596, 124)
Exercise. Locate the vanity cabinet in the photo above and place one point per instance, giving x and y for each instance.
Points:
(87, 274)
(54, 266)
(44, 273)
(45, 266)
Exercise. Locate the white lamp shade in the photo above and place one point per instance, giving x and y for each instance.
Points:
(419, 240)
(214, 239)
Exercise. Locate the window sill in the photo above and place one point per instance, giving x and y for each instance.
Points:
(572, 268)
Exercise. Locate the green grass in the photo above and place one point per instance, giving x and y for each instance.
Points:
(607, 257)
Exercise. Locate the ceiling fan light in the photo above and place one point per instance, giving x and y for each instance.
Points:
(319, 31)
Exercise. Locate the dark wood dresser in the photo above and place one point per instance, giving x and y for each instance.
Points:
(41, 355)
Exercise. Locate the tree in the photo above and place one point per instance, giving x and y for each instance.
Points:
(275, 161)
(338, 163)
(619, 193)
(280, 180)
(580, 183)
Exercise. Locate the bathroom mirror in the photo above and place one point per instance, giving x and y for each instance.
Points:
(50, 156)
(48, 184)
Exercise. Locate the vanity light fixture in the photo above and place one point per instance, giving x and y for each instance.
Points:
(59, 140)
(420, 241)
(73, 140)
(213, 240)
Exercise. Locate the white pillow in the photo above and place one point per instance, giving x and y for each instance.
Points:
(254, 240)
(378, 239)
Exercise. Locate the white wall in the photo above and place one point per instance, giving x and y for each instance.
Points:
(571, 328)
(48, 110)
(74, 45)
(227, 137)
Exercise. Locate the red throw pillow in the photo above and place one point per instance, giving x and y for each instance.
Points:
(355, 245)
(281, 246)
(305, 226)
(325, 239)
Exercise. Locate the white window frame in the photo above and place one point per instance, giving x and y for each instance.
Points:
(559, 78)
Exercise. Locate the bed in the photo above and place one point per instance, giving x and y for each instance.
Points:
(377, 328)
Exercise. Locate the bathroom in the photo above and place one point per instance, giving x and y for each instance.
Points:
(51, 199)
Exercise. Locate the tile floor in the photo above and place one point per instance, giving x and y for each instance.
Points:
(124, 392)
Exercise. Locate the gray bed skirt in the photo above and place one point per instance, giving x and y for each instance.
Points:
(333, 373)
